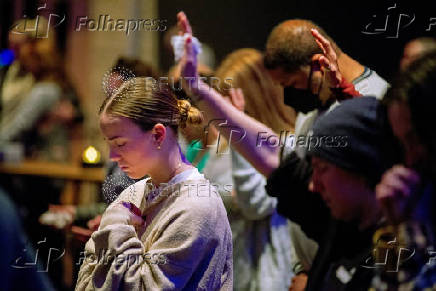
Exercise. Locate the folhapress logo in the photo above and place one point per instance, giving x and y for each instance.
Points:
(39, 27)
(107, 23)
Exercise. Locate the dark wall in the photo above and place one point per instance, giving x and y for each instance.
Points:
(5, 22)
(227, 25)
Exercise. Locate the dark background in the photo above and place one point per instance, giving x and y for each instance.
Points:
(227, 25)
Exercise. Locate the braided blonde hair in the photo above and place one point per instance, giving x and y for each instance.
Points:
(148, 105)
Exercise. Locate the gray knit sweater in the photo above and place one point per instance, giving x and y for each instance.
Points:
(185, 245)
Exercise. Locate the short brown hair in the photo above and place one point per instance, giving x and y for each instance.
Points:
(291, 45)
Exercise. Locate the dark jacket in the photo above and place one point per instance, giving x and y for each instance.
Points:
(343, 249)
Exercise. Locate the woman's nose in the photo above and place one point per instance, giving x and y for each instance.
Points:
(113, 156)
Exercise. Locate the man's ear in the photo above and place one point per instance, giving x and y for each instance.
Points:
(317, 74)
(159, 133)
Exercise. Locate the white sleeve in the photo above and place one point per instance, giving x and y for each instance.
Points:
(249, 184)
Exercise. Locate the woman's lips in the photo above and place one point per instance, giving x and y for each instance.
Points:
(124, 168)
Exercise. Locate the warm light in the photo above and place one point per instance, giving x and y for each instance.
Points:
(91, 155)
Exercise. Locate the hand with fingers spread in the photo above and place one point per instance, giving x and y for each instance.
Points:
(394, 191)
(328, 60)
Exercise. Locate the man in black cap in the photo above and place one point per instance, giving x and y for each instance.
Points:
(335, 203)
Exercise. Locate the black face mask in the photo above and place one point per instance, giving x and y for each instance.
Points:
(302, 100)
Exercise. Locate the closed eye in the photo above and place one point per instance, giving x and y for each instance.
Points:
(117, 143)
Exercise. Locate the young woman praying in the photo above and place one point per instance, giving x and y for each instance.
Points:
(166, 232)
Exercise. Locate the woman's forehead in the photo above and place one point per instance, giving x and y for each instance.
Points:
(116, 125)
(109, 119)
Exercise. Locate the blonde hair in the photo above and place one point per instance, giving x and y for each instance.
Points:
(263, 98)
(148, 105)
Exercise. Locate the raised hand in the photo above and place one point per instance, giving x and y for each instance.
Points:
(183, 23)
(328, 60)
(188, 62)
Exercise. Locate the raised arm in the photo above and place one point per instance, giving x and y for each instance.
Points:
(328, 61)
(264, 157)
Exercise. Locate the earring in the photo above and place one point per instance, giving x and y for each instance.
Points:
(158, 147)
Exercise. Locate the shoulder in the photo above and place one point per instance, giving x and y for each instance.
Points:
(198, 198)
(372, 84)
(134, 193)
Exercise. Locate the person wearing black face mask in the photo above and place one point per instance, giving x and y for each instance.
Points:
(325, 87)
(302, 100)
(314, 96)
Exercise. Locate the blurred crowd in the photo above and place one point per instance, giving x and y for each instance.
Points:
(326, 170)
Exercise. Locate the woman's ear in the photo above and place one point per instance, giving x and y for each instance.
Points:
(159, 133)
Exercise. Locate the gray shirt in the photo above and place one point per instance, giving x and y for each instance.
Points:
(261, 237)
